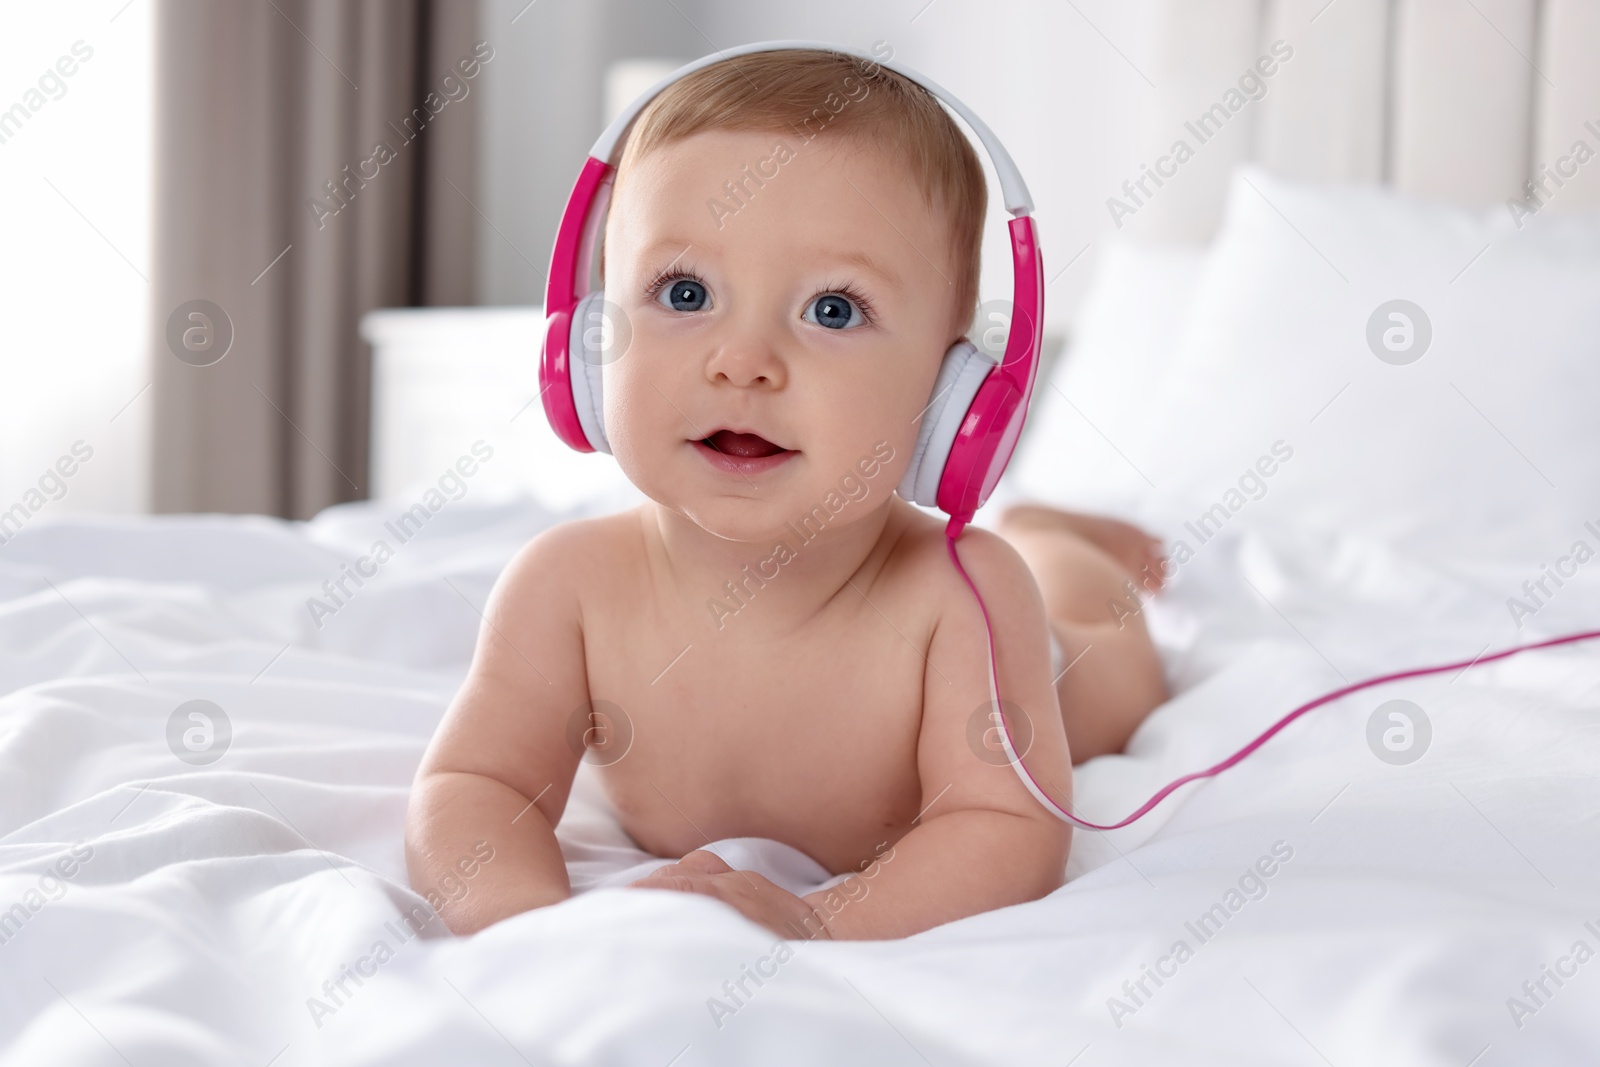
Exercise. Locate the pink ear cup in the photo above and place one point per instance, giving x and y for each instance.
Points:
(568, 264)
(988, 434)
(962, 373)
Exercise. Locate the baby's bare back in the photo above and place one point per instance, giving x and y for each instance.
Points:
(715, 722)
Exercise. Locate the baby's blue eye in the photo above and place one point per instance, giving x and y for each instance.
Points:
(685, 294)
(834, 311)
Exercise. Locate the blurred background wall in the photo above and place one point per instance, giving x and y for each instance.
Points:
(1059, 83)
(181, 156)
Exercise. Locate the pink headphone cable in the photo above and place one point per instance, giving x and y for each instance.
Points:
(953, 530)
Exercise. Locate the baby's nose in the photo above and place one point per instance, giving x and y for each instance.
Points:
(746, 359)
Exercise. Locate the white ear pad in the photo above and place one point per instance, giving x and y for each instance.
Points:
(583, 369)
(960, 375)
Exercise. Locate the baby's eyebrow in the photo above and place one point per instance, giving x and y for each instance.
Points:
(853, 256)
(862, 260)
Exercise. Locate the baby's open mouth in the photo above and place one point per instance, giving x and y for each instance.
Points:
(742, 445)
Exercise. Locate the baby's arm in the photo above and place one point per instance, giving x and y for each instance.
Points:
(984, 842)
(499, 768)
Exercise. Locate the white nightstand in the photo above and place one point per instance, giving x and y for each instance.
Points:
(444, 378)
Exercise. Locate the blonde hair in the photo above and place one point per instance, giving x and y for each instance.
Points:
(811, 92)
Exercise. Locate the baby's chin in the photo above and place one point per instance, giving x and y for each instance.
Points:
(759, 524)
(795, 520)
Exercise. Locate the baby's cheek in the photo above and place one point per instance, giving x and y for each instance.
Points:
(641, 424)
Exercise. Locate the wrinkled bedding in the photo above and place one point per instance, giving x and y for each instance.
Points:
(1317, 903)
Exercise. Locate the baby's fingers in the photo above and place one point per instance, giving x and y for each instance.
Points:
(687, 874)
(704, 862)
(675, 877)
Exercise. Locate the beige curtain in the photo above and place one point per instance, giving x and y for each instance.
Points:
(314, 160)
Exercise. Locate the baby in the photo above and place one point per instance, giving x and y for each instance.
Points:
(786, 640)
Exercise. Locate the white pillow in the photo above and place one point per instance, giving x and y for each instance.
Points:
(1483, 444)
(1122, 342)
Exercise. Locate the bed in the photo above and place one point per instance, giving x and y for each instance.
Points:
(203, 776)
(221, 882)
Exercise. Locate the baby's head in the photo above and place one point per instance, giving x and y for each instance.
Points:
(794, 238)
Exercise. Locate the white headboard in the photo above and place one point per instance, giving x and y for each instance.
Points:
(1466, 100)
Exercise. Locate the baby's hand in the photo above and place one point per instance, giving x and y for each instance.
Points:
(757, 898)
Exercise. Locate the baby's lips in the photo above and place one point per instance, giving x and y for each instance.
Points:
(743, 445)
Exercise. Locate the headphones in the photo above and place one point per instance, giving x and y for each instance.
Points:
(970, 426)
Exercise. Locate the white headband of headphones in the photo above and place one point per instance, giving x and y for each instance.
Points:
(1015, 191)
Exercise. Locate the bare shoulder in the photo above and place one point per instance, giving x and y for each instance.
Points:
(510, 719)
(922, 555)
(534, 622)
(578, 540)
(562, 563)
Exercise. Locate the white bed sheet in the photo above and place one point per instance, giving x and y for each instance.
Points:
(219, 899)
